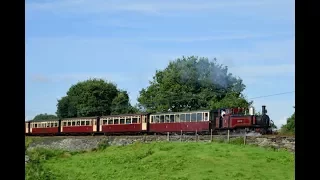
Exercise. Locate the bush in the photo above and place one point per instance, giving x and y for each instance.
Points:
(103, 144)
(35, 169)
(238, 140)
(27, 142)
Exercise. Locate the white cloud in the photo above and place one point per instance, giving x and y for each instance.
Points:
(115, 77)
(263, 70)
(177, 39)
(281, 121)
(164, 7)
(206, 38)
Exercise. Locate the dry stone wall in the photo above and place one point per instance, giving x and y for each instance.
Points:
(75, 143)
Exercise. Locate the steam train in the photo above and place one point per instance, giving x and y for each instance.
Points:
(200, 122)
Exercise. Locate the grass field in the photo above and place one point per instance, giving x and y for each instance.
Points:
(164, 161)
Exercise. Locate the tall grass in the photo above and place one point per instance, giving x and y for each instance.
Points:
(167, 161)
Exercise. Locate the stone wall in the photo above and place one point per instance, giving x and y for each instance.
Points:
(74, 143)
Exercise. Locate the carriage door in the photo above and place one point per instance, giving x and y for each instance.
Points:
(27, 127)
(144, 123)
(94, 125)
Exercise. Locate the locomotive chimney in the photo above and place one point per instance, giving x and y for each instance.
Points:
(263, 110)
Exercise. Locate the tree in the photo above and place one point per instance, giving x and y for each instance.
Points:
(44, 116)
(93, 97)
(191, 83)
(289, 127)
(67, 107)
(121, 104)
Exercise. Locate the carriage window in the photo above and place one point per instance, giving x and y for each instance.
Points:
(172, 118)
(193, 117)
(110, 121)
(55, 124)
(182, 117)
(82, 123)
(73, 123)
(187, 117)
(105, 121)
(121, 121)
(138, 119)
(205, 116)
(177, 118)
(35, 125)
(167, 119)
(199, 116)
(116, 121)
(78, 123)
(87, 123)
(64, 123)
(128, 120)
(151, 119)
(134, 120)
(69, 123)
(161, 118)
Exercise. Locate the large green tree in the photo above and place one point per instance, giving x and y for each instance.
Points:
(191, 83)
(44, 116)
(121, 104)
(93, 97)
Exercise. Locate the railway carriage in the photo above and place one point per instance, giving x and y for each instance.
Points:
(191, 121)
(42, 127)
(79, 125)
(125, 123)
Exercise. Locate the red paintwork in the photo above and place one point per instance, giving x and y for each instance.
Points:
(77, 129)
(242, 121)
(177, 127)
(122, 128)
(217, 122)
(225, 121)
(45, 130)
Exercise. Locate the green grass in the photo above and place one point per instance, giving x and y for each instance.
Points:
(164, 161)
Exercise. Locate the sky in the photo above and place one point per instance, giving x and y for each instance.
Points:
(125, 42)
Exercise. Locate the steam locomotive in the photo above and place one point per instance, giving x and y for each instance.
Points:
(201, 122)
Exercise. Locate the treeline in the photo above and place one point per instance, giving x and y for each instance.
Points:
(187, 83)
(289, 127)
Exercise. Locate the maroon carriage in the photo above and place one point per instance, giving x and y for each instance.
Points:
(79, 125)
(125, 123)
(191, 121)
(43, 127)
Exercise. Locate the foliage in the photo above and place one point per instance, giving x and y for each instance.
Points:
(142, 161)
(191, 83)
(27, 142)
(44, 116)
(121, 105)
(34, 168)
(93, 97)
(103, 145)
(289, 127)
